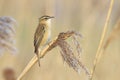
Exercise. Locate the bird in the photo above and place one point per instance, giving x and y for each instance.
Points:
(42, 34)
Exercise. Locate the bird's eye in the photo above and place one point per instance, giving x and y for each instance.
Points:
(46, 18)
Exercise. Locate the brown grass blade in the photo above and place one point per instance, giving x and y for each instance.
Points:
(113, 35)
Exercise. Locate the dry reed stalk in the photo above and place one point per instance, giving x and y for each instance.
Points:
(66, 53)
(98, 53)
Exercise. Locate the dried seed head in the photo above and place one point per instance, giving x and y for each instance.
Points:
(77, 45)
(69, 57)
(67, 51)
(7, 34)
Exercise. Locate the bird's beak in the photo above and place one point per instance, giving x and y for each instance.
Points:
(52, 17)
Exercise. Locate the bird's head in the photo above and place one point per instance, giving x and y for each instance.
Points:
(45, 18)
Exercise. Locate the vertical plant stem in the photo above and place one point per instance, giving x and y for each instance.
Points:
(98, 53)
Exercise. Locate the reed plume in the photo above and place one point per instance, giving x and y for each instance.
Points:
(7, 34)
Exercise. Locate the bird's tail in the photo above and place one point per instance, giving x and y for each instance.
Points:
(37, 54)
(38, 60)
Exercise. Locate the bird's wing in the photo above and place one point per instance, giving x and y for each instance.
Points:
(38, 36)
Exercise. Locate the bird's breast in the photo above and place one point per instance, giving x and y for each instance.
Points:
(46, 37)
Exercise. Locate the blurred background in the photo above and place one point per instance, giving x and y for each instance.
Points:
(86, 16)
